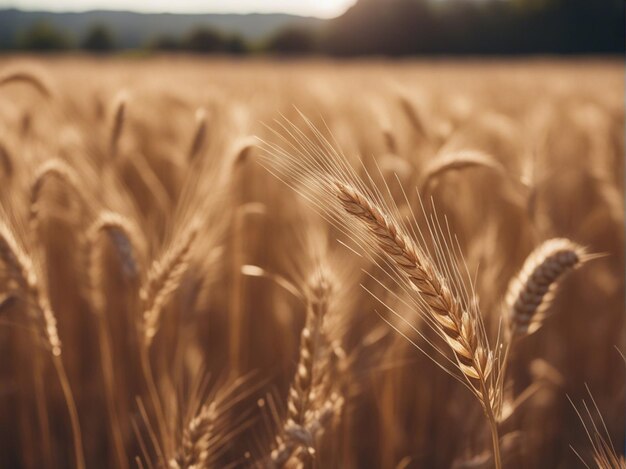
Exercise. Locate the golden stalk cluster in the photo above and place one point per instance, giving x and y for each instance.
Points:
(263, 250)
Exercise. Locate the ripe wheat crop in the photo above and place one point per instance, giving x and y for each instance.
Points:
(221, 264)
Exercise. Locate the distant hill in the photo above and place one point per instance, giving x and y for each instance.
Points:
(136, 29)
(485, 27)
(369, 27)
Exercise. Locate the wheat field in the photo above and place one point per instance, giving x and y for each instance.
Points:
(317, 264)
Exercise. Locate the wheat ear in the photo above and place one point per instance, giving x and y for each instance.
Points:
(528, 294)
(199, 135)
(295, 432)
(119, 117)
(21, 271)
(163, 279)
(211, 426)
(390, 140)
(457, 161)
(29, 78)
(6, 162)
(121, 234)
(449, 316)
(413, 116)
(195, 446)
(297, 441)
(54, 168)
(300, 391)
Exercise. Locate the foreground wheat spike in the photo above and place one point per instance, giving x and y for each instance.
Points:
(194, 450)
(212, 426)
(163, 278)
(455, 322)
(296, 446)
(529, 292)
(295, 433)
(22, 271)
(300, 391)
(452, 320)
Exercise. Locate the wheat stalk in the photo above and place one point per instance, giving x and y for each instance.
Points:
(327, 180)
(453, 320)
(300, 391)
(163, 279)
(298, 430)
(21, 270)
(457, 325)
(122, 235)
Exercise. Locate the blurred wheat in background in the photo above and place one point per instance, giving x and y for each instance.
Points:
(220, 264)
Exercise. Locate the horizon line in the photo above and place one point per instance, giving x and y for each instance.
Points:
(245, 12)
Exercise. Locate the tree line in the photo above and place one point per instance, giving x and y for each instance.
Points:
(397, 28)
(44, 37)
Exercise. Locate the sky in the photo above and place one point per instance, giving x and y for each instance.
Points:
(319, 8)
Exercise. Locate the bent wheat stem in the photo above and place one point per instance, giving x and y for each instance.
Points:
(72, 411)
